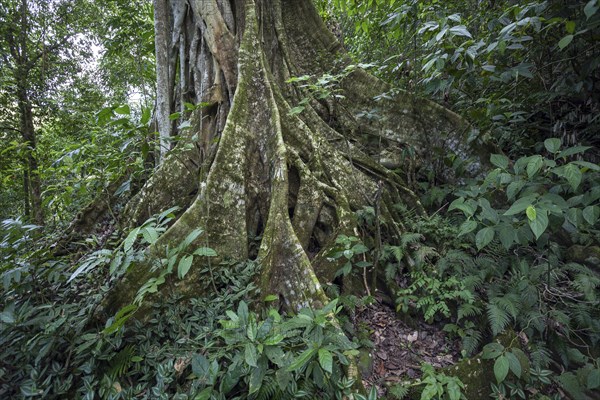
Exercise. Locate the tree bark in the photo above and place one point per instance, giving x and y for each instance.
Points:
(263, 171)
(33, 181)
(163, 83)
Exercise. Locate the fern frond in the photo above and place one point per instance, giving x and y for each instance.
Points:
(586, 284)
(425, 252)
(120, 362)
(509, 303)
(540, 355)
(409, 238)
(390, 271)
(471, 341)
(497, 318)
(468, 310)
(398, 392)
(269, 389)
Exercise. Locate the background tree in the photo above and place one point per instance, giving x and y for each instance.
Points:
(36, 43)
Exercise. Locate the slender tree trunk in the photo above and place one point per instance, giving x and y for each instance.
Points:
(26, 204)
(252, 167)
(163, 82)
(31, 165)
(34, 185)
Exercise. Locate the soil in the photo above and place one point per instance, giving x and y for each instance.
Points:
(400, 347)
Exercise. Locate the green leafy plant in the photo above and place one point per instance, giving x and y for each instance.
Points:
(433, 385)
(346, 251)
(547, 194)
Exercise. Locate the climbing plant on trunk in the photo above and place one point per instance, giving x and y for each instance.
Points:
(250, 165)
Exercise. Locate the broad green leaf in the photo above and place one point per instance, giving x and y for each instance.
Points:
(250, 355)
(564, 42)
(359, 248)
(466, 227)
(204, 394)
(499, 160)
(466, 207)
(531, 213)
(146, 114)
(590, 8)
(501, 368)
(554, 199)
(573, 175)
(431, 390)
(593, 379)
(521, 204)
(514, 364)
(534, 165)
(487, 212)
(301, 360)
(573, 216)
(513, 189)
(184, 266)
(326, 360)
(591, 214)
(539, 225)
(492, 350)
(205, 251)
(283, 379)
(296, 110)
(273, 340)
(461, 30)
(123, 110)
(242, 313)
(201, 367)
(572, 151)
(484, 237)
(150, 234)
(271, 297)
(251, 331)
(116, 263)
(7, 317)
(168, 213)
(453, 390)
(233, 316)
(193, 235)
(506, 234)
(185, 125)
(130, 240)
(588, 165)
(257, 376)
(552, 145)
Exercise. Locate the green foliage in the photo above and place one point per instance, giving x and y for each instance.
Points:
(346, 251)
(545, 195)
(494, 67)
(321, 88)
(432, 295)
(196, 348)
(433, 385)
(276, 357)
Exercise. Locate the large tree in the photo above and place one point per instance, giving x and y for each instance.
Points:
(262, 169)
(39, 54)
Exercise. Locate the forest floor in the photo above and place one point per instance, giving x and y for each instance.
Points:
(399, 347)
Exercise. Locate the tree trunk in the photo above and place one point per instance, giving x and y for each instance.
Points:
(31, 170)
(32, 173)
(164, 86)
(257, 169)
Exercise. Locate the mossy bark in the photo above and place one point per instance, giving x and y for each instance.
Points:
(259, 170)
